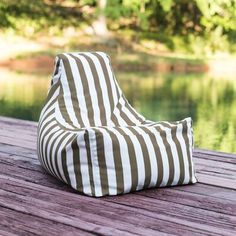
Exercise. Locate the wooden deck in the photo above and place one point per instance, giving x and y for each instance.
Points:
(34, 203)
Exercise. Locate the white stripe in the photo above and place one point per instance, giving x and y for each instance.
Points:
(110, 164)
(60, 119)
(44, 128)
(45, 121)
(111, 78)
(70, 165)
(125, 160)
(46, 137)
(59, 157)
(67, 97)
(79, 90)
(179, 134)
(138, 156)
(122, 97)
(190, 138)
(174, 153)
(49, 148)
(103, 85)
(84, 163)
(138, 114)
(164, 156)
(128, 113)
(95, 164)
(151, 155)
(41, 144)
(92, 89)
(54, 154)
(120, 120)
(46, 109)
(41, 128)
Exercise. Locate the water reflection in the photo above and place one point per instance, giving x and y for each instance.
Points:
(22, 95)
(208, 100)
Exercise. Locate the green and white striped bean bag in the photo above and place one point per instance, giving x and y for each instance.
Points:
(91, 138)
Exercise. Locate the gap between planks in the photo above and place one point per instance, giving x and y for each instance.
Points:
(134, 212)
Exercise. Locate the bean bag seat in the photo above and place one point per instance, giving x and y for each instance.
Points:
(91, 138)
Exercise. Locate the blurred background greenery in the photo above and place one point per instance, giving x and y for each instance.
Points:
(172, 58)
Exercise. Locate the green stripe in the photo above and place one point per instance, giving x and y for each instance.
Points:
(101, 161)
(87, 145)
(64, 162)
(169, 155)
(179, 150)
(124, 116)
(41, 142)
(157, 155)
(72, 88)
(117, 161)
(56, 154)
(46, 157)
(146, 157)
(132, 157)
(86, 92)
(134, 113)
(50, 94)
(102, 114)
(77, 165)
(107, 79)
(62, 107)
(50, 151)
(185, 136)
(41, 122)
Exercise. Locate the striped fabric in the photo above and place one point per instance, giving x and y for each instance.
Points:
(91, 138)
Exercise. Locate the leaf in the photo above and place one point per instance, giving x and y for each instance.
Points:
(166, 4)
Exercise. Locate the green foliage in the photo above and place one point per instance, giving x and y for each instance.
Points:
(206, 23)
(209, 23)
(166, 4)
(3, 16)
(26, 16)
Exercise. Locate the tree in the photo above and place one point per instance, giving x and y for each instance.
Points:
(100, 24)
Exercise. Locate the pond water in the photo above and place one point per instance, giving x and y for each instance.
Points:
(209, 100)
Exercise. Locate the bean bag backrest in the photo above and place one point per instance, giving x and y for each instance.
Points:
(91, 96)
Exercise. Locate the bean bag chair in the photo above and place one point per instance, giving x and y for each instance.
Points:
(91, 138)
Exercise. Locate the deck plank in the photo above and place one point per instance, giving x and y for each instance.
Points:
(111, 208)
(29, 194)
(30, 170)
(15, 222)
(71, 209)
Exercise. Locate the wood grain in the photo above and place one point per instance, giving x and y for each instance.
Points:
(34, 203)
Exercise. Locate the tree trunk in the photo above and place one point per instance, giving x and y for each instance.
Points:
(100, 25)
